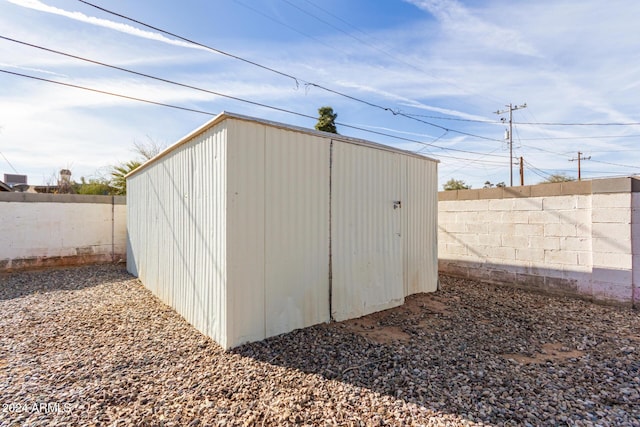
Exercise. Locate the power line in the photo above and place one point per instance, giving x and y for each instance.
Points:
(306, 12)
(537, 171)
(296, 79)
(371, 45)
(215, 93)
(479, 160)
(133, 98)
(613, 151)
(456, 119)
(546, 151)
(580, 137)
(578, 124)
(235, 98)
(8, 162)
(337, 17)
(284, 24)
(221, 52)
(432, 141)
(616, 164)
(145, 75)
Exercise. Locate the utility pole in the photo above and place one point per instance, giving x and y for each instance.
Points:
(578, 159)
(510, 109)
(521, 171)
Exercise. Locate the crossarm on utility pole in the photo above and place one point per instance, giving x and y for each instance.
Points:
(579, 159)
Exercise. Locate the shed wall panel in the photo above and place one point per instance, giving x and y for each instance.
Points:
(245, 232)
(177, 230)
(419, 225)
(366, 240)
(297, 231)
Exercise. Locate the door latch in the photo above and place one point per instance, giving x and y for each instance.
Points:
(397, 204)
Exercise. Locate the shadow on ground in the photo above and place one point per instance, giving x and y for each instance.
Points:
(40, 281)
(482, 352)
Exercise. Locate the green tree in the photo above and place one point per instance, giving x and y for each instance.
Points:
(99, 186)
(489, 184)
(118, 173)
(558, 177)
(326, 121)
(455, 184)
(146, 151)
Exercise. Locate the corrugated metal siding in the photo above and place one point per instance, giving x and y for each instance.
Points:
(177, 230)
(245, 232)
(278, 231)
(419, 225)
(297, 231)
(366, 240)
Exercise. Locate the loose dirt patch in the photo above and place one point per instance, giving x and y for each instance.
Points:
(377, 334)
(551, 352)
(381, 327)
(431, 303)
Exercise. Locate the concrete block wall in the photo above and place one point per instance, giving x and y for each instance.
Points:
(635, 242)
(573, 238)
(46, 230)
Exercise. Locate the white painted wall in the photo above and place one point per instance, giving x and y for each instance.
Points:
(40, 230)
(572, 243)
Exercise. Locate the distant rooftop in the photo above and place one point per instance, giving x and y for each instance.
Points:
(13, 179)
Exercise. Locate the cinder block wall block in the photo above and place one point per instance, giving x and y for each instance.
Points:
(528, 229)
(500, 253)
(608, 237)
(500, 204)
(616, 261)
(560, 203)
(514, 241)
(532, 204)
(615, 200)
(581, 244)
(490, 239)
(612, 215)
(565, 258)
(533, 255)
(560, 230)
(543, 217)
(584, 202)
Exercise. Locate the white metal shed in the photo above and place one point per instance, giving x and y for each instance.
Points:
(251, 228)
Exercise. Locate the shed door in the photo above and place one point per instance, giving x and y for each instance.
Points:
(366, 241)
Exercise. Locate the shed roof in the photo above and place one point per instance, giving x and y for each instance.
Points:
(227, 115)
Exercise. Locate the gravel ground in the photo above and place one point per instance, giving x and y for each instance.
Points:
(91, 346)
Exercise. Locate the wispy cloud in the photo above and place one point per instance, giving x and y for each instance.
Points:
(35, 70)
(458, 20)
(409, 102)
(117, 26)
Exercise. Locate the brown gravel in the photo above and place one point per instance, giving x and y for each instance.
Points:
(91, 346)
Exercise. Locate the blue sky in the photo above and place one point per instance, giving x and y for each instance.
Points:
(446, 62)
